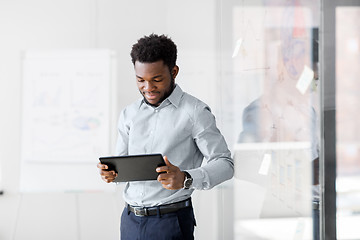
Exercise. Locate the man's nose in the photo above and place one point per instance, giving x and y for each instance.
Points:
(148, 85)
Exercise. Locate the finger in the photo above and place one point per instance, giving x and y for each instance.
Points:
(166, 168)
(107, 173)
(173, 180)
(162, 177)
(163, 169)
(108, 180)
(166, 183)
(167, 186)
(110, 176)
(167, 162)
(102, 166)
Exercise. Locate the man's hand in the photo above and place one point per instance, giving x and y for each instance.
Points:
(106, 175)
(172, 178)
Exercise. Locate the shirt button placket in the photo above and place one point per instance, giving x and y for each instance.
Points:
(152, 132)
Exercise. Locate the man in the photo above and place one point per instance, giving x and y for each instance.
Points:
(180, 127)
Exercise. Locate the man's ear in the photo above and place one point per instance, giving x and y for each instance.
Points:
(174, 71)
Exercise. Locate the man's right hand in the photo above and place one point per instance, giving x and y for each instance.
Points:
(106, 175)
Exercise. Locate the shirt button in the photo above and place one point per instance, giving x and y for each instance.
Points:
(156, 110)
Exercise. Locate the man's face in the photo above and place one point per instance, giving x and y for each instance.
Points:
(155, 81)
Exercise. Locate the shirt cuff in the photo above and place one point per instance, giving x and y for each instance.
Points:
(199, 179)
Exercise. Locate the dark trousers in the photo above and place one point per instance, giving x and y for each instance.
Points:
(170, 226)
(316, 224)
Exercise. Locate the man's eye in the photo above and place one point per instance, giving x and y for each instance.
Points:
(157, 80)
(140, 80)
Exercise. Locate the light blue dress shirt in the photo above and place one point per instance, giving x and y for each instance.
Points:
(182, 128)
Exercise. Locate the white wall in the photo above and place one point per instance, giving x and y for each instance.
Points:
(78, 24)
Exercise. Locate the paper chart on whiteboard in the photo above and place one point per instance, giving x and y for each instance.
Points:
(66, 98)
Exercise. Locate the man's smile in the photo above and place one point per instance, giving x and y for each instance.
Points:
(151, 95)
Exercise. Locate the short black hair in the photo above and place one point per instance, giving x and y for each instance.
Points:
(154, 48)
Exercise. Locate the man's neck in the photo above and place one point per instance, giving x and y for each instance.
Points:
(165, 97)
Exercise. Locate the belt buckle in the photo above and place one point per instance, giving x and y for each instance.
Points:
(140, 211)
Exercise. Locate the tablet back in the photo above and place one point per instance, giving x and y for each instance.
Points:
(134, 167)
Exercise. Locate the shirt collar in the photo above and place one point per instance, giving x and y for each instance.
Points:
(176, 96)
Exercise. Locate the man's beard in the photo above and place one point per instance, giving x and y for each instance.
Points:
(167, 94)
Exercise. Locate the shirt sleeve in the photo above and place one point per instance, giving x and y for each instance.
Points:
(123, 136)
(219, 165)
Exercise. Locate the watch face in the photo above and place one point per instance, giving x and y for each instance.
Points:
(188, 182)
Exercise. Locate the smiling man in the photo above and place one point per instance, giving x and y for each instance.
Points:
(155, 81)
(182, 128)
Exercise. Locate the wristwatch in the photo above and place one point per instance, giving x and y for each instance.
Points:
(188, 180)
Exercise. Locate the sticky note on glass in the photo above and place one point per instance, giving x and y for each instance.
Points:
(305, 79)
(237, 47)
(265, 164)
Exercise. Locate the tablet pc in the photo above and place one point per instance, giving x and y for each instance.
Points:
(134, 167)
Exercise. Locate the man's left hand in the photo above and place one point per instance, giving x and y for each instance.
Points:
(172, 177)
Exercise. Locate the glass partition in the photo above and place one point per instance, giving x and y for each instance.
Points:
(269, 76)
(347, 115)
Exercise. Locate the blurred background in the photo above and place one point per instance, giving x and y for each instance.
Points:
(280, 77)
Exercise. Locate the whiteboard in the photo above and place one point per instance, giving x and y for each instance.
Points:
(65, 118)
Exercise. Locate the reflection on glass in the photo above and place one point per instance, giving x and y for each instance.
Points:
(275, 66)
(347, 114)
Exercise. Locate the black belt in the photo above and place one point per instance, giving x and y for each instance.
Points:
(162, 209)
(316, 205)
